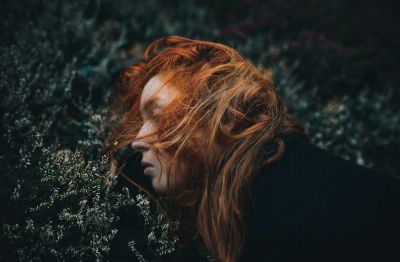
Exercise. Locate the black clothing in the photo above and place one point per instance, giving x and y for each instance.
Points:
(311, 205)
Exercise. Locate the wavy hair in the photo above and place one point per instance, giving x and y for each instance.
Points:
(217, 86)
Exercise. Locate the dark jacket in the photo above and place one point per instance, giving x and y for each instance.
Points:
(313, 206)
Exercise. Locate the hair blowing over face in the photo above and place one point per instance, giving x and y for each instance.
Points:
(218, 86)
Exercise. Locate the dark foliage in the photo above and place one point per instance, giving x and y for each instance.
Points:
(335, 65)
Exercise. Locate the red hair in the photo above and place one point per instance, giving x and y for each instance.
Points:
(218, 86)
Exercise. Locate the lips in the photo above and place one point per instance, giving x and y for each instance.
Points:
(147, 167)
(148, 171)
(146, 164)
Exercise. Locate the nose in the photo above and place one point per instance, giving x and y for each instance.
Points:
(140, 145)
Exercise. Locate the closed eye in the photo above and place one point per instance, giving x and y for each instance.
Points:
(149, 109)
(154, 117)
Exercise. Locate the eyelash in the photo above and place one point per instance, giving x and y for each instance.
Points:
(155, 117)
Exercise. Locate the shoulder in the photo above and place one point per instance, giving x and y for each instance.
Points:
(313, 199)
(303, 165)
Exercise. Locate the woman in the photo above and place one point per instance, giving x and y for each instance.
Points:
(216, 141)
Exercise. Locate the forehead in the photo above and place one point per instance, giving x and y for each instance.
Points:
(157, 92)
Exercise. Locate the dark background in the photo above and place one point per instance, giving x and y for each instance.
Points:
(335, 63)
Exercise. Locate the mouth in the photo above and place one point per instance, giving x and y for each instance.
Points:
(146, 164)
(148, 168)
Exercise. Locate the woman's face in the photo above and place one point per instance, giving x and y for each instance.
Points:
(154, 98)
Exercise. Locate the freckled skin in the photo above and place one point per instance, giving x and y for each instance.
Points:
(164, 95)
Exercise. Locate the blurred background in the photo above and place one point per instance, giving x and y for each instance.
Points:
(335, 63)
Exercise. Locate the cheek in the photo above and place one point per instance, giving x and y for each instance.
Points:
(177, 171)
(163, 164)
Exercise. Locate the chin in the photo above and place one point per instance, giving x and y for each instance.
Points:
(157, 187)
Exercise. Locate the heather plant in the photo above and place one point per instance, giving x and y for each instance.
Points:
(59, 200)
(55, 82)
(69, 205)
(342, 46)
(362, 126)
(156, 225)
